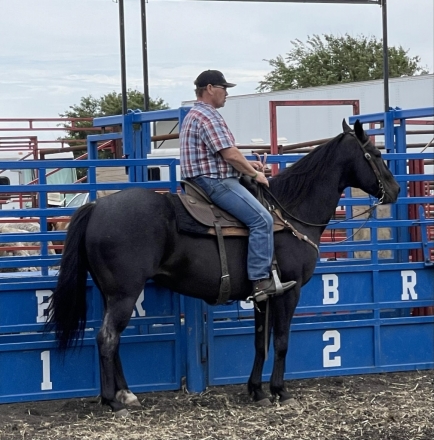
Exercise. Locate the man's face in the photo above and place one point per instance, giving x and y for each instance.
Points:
(218, 94)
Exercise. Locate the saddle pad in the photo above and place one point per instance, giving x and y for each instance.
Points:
(184, 221)
(207, 214)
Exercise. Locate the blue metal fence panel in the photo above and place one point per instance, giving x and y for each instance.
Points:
(341, 327)
(40, 372)
(34, 370)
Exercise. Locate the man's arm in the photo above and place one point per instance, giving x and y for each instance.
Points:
(234, 157)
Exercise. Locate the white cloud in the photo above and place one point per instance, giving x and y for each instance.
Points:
(94, 79)
(54, 52)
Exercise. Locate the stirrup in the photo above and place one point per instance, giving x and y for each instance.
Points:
(274, 287)
(277, 282)
(262, 296)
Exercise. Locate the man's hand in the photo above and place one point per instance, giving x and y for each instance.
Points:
(260, 178)
(233, 156)
(257, 165)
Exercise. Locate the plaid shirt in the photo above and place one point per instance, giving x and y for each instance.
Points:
(203, 134)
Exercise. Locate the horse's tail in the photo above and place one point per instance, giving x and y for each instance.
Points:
(67, 309)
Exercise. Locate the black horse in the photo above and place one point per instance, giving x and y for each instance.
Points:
(129, 237)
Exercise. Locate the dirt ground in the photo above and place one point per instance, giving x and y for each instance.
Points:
(394, 406)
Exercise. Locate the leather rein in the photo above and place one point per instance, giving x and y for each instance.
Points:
(377, 173)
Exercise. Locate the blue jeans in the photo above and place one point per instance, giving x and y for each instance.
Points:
(231, 196)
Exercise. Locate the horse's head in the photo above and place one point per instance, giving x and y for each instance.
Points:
(370, 174)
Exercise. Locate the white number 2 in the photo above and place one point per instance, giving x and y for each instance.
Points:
(332, 348)
(46, 383)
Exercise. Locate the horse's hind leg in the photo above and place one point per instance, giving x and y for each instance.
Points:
(113, 384)
(123, 394)
(255, 381)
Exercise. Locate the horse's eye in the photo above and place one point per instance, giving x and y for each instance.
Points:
(376, 152)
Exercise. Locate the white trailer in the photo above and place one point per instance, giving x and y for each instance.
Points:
(249, 120)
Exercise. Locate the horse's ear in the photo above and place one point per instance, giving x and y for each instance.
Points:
(345, 126)
(358, 129)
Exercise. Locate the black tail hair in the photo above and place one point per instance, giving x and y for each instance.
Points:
(67, 309)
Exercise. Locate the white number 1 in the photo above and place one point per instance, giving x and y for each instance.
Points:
(332, 348)
(46, 383)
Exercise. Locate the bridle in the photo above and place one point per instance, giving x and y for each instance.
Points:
(374, 167)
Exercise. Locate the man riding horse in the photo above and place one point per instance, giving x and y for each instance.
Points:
(210, 159)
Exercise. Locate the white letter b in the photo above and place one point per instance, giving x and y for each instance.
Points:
(330, 285)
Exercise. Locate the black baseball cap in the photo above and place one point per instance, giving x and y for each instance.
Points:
(213, 77)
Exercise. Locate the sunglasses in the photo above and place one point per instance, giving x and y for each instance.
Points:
(220, 87)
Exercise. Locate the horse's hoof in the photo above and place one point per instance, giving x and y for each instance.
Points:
(135, 403)
(122, 413)
(263, 402)
(290, 402)
(127, 398)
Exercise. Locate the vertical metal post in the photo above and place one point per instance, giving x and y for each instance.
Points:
(403, 235)
(273, 135)
(385, 57)
(196, 365)
(123, 63)
(145, 57)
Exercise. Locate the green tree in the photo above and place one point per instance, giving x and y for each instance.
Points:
(107, 105)
(111, 104)
(327, 59)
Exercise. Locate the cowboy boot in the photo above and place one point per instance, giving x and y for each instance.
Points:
(262, 289)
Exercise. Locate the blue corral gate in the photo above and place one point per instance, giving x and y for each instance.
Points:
(355, 316)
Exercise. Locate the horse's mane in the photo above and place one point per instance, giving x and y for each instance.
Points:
(293, 183)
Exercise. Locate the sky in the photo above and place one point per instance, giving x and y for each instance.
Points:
(53, 52)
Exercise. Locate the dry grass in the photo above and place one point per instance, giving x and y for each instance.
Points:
(395, 406)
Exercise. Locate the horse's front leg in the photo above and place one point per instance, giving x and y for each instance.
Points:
(255, 381)
(283, 310)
